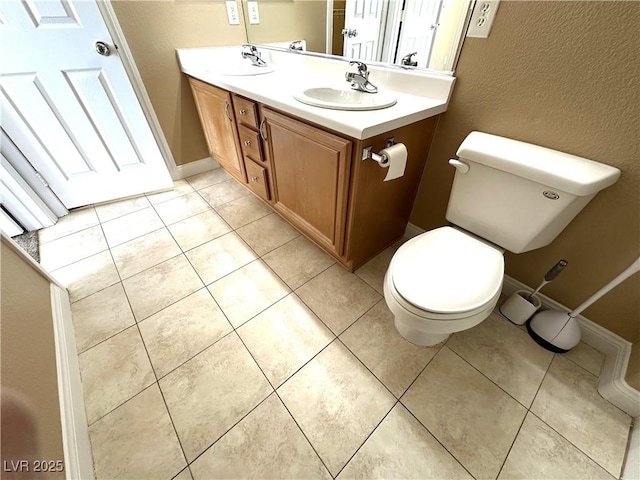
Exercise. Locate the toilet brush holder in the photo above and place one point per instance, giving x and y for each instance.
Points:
(519, 307)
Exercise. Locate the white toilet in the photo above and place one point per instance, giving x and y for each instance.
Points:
(506, 195)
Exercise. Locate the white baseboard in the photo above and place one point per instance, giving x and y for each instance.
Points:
(195, 167)
(631, 469)
(75, 431)
(612, 384)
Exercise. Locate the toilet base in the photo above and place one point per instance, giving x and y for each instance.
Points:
(424, 331)
(419, 337)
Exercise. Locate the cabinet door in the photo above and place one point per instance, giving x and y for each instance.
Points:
(216, 115)
(310, 169)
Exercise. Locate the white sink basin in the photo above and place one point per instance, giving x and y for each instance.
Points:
(345, 99)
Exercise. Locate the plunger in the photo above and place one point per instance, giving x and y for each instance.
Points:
(560, 331)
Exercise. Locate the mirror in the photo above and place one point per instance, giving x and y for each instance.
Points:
(423, 34)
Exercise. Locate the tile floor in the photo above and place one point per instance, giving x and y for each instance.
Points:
(216, 342)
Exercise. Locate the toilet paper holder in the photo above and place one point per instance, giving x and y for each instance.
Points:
(381, 159)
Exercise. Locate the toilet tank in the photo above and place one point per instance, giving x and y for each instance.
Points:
(518, 195)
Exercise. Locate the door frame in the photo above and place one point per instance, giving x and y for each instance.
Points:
(124, 52)
(329, 29)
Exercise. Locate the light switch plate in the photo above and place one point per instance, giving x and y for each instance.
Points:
(254, 13)
(232, 12)
(482, 18)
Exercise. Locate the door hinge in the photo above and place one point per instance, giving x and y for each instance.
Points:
(42, 179)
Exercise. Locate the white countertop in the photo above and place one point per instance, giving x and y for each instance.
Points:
(420, 95)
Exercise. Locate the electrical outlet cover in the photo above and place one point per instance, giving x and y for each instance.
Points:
(254, 13)
(232, 12)
(482, 18)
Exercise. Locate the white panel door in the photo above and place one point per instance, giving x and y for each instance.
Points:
(364, 24)
(419, 24)
(71, 111)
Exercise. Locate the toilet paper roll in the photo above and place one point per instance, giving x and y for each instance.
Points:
(397, 161)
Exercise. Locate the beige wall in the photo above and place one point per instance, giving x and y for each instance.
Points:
(291, 20)
(28, 358)
(153, 30)
(564, 75)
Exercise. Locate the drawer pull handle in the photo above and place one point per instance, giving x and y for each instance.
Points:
(262, 134)
(254, 179)
(243, 111)
(226, 111)
(247, 143)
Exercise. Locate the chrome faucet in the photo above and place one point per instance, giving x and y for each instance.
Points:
(296, 46)
(360, 81)
(252, 53)
(407, 60)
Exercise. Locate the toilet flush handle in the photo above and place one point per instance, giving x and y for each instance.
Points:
(461, 166)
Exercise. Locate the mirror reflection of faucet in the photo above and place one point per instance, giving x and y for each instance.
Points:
(252, 53)
(360, 80)
(296, 46)
(407, 60)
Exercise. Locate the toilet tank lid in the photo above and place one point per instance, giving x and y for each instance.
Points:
(563, 171)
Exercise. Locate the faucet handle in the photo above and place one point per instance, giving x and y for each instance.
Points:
(362, 67)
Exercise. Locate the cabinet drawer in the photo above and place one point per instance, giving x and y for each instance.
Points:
(257, 177)
(250, 143)
(246, 112)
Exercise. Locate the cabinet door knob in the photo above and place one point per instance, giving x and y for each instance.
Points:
(243, 111)
(254, 179)
(247, 143)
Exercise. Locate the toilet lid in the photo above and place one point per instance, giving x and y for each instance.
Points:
(447, 271)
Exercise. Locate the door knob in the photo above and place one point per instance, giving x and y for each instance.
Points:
(247, 143)
(349, 32)
(103, 49)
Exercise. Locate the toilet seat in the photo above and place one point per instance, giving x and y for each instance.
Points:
(446, 274)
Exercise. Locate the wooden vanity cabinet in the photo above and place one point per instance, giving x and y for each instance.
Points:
(314, 178)
(216, 113)
(310, 169)
(255, 163)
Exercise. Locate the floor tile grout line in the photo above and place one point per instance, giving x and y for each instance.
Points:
(150, 364)
(597, 377)
(152, 367)
(189, 463)
(442, 345)
(71, 212)
(202, 187)
(421, 371)
(319, 317)
(302, 431)
(515, 438)
(434, 436)
(526, 413)
(576, 446)
(306, 362)
(197, 354)
(185, 468)
(368, 369)
(491, 380)
(90, 424)
(164, 400)
(550, 426)
(368, 436)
